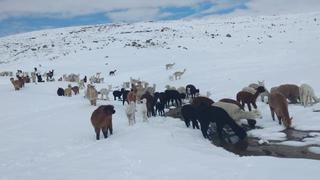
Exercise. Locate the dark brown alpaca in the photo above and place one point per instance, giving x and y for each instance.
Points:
(150, 104)
(244, 97)
(232, 101)
(112, 73)
(290, 91)
(101, 120)
(197, 101)
(278, 104)
(75, 89)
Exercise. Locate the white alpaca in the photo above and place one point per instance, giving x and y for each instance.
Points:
(170, 66)
(236, 113)
(181, 89)
(144, 110)
(105, 92)
(307, 95)
(81, 84)
(177, 75)
(130, 112)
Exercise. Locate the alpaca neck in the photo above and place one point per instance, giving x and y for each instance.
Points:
(255, 96)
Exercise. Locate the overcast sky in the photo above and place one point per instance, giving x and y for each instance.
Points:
(27, 15)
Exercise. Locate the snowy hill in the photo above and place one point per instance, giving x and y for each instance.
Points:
(43, 136)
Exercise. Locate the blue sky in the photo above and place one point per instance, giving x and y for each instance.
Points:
(27, 15)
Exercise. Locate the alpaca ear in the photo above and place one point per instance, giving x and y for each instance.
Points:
(113, 111)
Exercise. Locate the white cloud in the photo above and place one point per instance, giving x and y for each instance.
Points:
(270, 7)
(132, 15)
(135, 10)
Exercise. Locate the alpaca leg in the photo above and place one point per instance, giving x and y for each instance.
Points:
(105, 132)
(249, 106)
(97, 130)
(272, 113)
(254, 105)
(219, 131)
(187, 121)
(204, 129)
(279, 119)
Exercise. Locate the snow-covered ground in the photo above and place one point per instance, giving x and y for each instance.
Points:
(43, 136)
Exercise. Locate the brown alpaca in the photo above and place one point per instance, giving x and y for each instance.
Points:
(248, 98)
(227, 100)
(131, 96)
(92, 94)
(101, 120)
(278, 104)
(16, 84)
(197, 101)
(290, 91)
(75, 89)
(68, 91)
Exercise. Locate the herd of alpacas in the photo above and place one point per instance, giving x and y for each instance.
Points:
(195, 109)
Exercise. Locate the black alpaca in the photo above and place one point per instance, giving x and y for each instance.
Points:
(189, 113)
(117, 94)
(124, 96)
(160, 108)
(191, 91)
(173, 96)
(39, 78)
(112, 73)
(150, 104)
(60, 92)
(221, 118)
(85, 79)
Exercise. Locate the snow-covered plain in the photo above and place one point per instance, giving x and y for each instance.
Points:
(43, 136)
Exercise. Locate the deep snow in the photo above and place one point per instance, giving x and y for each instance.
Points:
(43, 136)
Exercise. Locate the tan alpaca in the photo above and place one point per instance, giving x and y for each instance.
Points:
(68, 91)
(16, 84)
(178, 74)
(92, 94)
(278, 104)
(170, 66)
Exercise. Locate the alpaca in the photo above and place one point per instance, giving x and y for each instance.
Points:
(150, 103)
(33, 77)
(101, 120)
(60, 91)
(130, 112)
(170, 66)
(278, 104)
(81, 84)
(68, 91)
(92, 94)
(248, 98)
(105, 92)
(221, 118)
(226, 100)
(191, 91)
(112, 73)
(144, 110)
(124, 96)
(197, 101)
(189, 113)
(60, 79)
(173, 95)
(16, 84)
(116, 94)
(255, 87)
(131, 97)
(290, 91)
(160, 107)
(236, 113)
(177, 75)
(307, 95)
(75, 90)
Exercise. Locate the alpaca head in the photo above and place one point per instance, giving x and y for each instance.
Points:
(144, 100)
(261, 83)
(261, 89)
(287, 122)
(69, 85)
